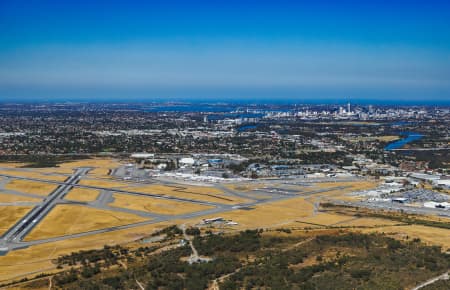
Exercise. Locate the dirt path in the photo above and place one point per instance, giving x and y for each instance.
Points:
(194, 256)
(140, 285)
(215, 282)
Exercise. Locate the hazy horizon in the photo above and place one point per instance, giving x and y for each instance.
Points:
(211, 50)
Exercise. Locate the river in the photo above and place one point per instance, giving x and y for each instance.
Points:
(410, 137)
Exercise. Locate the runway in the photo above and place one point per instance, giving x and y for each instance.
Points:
(16, 233)
(13, 239)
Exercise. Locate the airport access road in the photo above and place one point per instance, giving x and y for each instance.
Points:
(390, 206)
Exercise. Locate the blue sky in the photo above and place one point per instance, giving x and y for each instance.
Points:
(299, 50)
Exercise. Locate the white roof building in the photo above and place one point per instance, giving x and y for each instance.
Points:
(187, 161)
(442, 182)
(142, 155)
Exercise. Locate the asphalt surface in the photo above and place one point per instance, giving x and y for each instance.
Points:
(14, 238)
(16, 233)
(392, 206)
(117, 190)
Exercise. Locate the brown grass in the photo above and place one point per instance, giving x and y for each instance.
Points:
(369, 222)
(9, 215)
(82, 194)
(71, 219)
(12, 164)
(14, 198)
(101, 165)
(102, 183)
(200, 193)
(245, 186)
(31, 174)
(57, 170)
(353, 185)
(26, 262)
(34, 187)
(269, 215)
(430, 235)
(154, 205)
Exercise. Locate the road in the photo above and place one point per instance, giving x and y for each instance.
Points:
(390, 206)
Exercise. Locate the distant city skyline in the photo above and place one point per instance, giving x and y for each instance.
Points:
(225, 50)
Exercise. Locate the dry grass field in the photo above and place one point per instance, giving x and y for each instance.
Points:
(352, 185)
(11, 164)
(268, 215)
(368, 222)
(55, 170)
(68, 219)
(82, 194)
(31, 174)
(386, 138)
(154, 205)
(71, 219)
(36, 259)
(429, 235)
(101, 166)
(200, 193)
(102, 183)
(34, 187)
(5, 198)
(344, 193)
(9, 215)
(323, 219)
(244, 186)
(299, 212)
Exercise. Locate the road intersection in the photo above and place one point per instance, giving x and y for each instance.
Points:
(13, 238)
